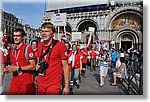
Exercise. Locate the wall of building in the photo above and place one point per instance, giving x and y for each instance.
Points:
(9, 23)
(30, 34)
(107, 20)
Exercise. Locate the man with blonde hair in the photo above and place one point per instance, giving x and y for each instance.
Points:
(53, 60)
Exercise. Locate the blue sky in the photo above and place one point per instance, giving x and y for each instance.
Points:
(30, 12)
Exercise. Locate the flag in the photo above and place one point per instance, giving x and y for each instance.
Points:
(5, 32)
(64, 36)
(102, 42)
(89, 42)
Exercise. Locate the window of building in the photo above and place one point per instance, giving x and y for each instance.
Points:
(9, 23)
(6, 22)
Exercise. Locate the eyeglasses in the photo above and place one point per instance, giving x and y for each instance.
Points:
(17, 35)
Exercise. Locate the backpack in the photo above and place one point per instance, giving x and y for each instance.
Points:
(25, 52)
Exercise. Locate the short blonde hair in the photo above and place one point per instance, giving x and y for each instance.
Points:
(49, 25)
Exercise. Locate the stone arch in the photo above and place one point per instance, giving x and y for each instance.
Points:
(87, 20)
(130, 35)
(83, 25)
(126, 20)
(69, 29)
(118, 11)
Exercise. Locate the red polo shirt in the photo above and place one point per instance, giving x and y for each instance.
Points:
(53, 73)
(93, 54)
(84, 59)
(77, 60)
(70, 65)
(36, 53)
(19, 56)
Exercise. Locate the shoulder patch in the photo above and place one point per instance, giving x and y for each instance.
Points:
(66, 54)
(31, 55)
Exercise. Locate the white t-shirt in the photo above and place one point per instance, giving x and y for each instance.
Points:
(121, 54)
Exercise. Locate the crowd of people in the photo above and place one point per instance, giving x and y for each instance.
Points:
(55, 67)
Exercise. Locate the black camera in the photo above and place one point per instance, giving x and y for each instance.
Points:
(43, 67)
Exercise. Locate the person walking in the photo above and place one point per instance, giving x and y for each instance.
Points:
(114, 54)
(53, 61)
(104, 59)
(93, 55)
(76, 60)
(84, 53)
(23, 79)
(34, 45)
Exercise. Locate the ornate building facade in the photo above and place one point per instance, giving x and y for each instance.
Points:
(8, 24)
(118, 23)
(30, 33)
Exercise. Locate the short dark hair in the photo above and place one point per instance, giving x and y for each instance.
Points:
(74, 45)
(21, 31)
(34, 41)
(68, 44)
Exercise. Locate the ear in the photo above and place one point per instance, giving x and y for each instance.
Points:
(24, 37)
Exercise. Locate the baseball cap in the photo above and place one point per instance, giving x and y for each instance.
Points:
(105, 49)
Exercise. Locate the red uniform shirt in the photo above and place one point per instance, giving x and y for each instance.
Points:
(93, 54)
(76, 57)
(36, 53)
(18, 57)
(53, 73)
(77, 60)
(84, 59)
(70, 64)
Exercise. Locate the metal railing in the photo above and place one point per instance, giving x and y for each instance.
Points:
(134, 83)
(86, 14)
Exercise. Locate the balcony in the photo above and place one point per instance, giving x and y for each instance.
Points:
(47, 18)
(88, 14)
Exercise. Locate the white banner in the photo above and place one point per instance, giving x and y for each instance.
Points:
(112, 3)
(59, 19)
(91, 29)
(76, 35)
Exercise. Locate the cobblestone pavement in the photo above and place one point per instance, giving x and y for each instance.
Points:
(88, 85)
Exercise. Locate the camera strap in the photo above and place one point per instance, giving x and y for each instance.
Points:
(49, 50)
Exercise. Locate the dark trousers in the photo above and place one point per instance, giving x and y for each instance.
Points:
(93, 64)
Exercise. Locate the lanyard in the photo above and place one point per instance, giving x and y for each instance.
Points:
(45, 55)
(16, 56)
(45, 52)
(49, 50)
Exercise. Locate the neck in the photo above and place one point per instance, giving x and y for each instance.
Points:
(47, 42)
(18, 45)
(34, 49)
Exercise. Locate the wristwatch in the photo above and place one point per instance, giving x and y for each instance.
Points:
(19, 71)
